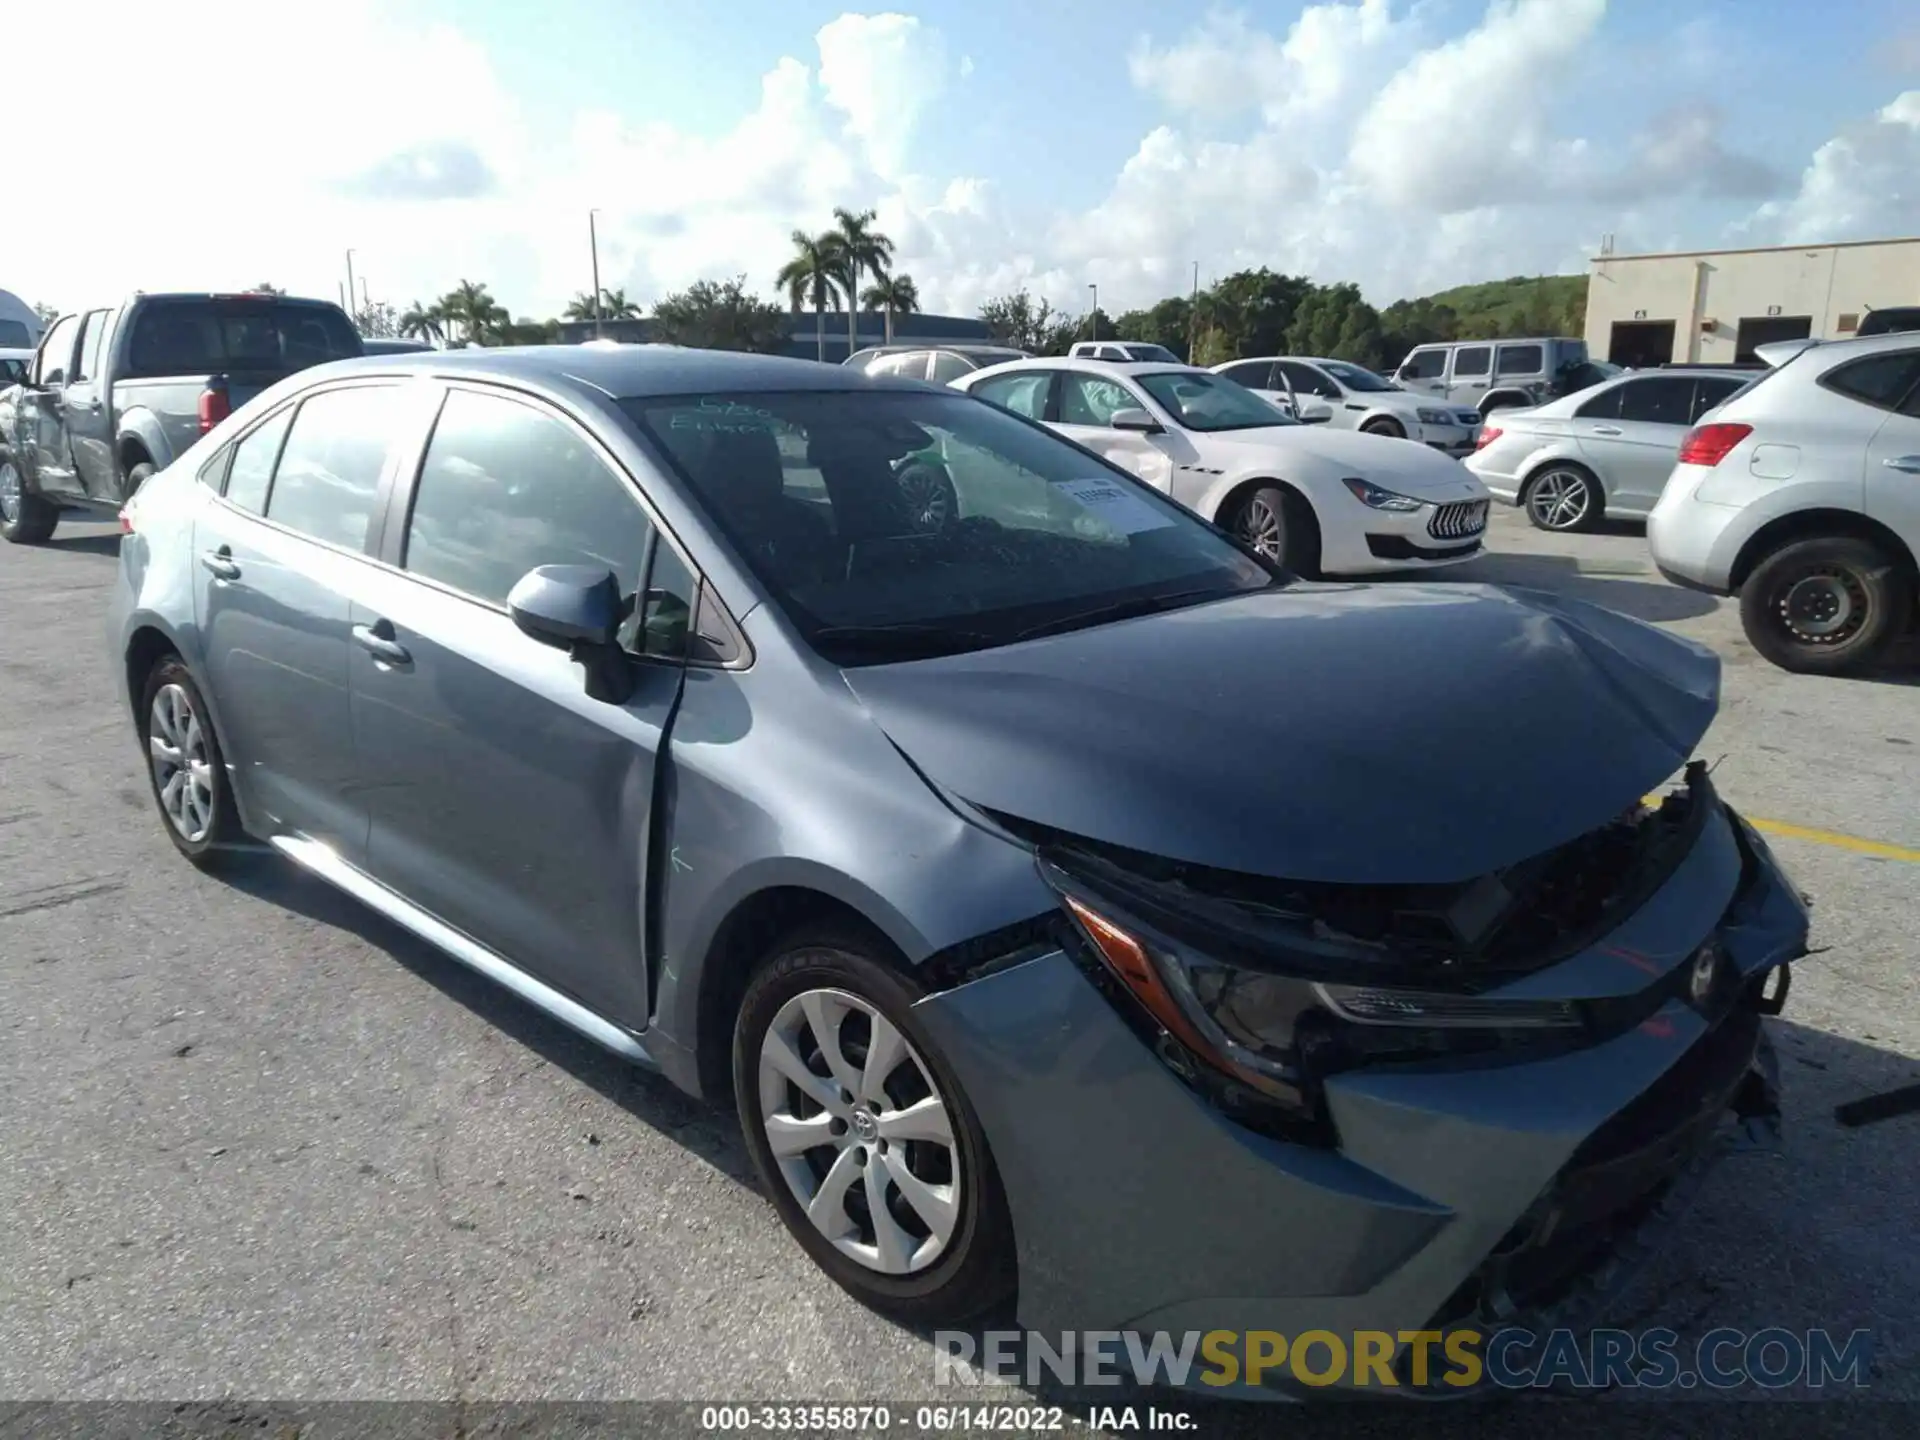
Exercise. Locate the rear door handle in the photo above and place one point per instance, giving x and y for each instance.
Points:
(377, 640)
(220, 564)
(1908, 463)
(1605, 430)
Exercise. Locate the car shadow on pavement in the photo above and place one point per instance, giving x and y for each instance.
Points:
(709, 1130)
(99, 542)
(1653, 600)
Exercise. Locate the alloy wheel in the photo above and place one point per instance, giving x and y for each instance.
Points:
(9, 492)
(1264, 529)
(929, 502)
(860, 1131)
(1824, 605)
(1560, 500)
(182, 770)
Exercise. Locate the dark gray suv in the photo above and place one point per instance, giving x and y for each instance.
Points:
(1063, 896)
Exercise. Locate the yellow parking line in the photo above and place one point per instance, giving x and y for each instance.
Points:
(1877, 848)
(1854, 843)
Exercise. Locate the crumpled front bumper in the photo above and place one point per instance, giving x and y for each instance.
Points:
(1138, 1206)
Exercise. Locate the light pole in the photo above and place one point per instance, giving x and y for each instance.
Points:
(1193, 317)
(351, 292)
(1093, 315)
(593, 242)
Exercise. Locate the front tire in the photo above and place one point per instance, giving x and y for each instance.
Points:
(1392, 429)
(1826, 606)
(138, 476)
(1280, 528)
(184, 766)
(25, 518)
(837, 1082)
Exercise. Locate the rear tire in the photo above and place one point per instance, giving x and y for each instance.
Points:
(1826, 606)
(138, 476)
(942, 1258)
(185, 768)
(1563, 498)
(25, 518)
(1279, 525)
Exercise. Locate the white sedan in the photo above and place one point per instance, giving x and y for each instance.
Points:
(1318, 501)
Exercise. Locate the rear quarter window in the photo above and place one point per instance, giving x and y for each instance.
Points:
(1882, 381)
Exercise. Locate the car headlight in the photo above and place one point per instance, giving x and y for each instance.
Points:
(1375, 498)
(1277, 1033)
(1435, 417)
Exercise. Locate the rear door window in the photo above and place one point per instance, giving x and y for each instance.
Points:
(329, 472)
(1520, 360)
(206, 337)
(90, 341)
(948, 367)
(1712, 390)
(1658, 400)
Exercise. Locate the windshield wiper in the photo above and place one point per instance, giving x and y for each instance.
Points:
(1122, 610)
(907, 637)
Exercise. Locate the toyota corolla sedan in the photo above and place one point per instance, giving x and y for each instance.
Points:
(1060, 894)
(1319, 501)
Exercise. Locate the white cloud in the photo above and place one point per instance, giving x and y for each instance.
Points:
(883, 72)
(1862, 184)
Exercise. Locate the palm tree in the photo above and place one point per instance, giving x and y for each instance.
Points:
(861, 248)
(423, 323)
(474, 312)
(580, 307)
(813, 277)
(615, 305)
(892, 295)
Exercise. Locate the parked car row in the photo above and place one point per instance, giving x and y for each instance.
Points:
(1005, 873)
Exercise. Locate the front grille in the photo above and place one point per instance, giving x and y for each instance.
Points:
(1458, 520)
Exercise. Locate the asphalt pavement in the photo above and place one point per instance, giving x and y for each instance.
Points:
(255, 1142)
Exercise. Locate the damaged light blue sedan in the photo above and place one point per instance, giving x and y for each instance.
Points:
(1073, 905)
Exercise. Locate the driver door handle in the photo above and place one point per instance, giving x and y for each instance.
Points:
(220, 564)
(377, 640)
(1908, 463)
(1606, 430)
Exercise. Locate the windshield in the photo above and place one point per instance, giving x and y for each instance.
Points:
(1355, 377)
(204, 337)
(887, 525)
(1201, 400)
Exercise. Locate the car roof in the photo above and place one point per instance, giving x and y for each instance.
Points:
(627, 372)
(1092, 366)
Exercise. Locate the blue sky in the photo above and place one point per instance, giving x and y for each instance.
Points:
(1403, 144)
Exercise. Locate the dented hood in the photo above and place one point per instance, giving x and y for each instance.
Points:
(1372, 734)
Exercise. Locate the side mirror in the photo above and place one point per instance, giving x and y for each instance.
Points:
(1135, 419)
(1314, 412)
(578, 609)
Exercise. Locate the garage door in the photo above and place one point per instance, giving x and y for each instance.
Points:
(1636, 344)
(1764, 330)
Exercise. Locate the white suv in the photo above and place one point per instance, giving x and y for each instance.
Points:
(1801, 495)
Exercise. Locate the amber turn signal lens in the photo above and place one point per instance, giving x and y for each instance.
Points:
(1127, 958)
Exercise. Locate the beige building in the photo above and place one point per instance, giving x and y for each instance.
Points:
(1714, 306)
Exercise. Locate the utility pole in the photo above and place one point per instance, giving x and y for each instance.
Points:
(1093, 315)
(351, 291)
(1193, 317)
(593, 241)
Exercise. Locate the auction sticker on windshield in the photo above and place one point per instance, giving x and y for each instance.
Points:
(1111, 503)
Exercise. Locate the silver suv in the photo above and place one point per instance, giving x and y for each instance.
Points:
(1500, 374)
